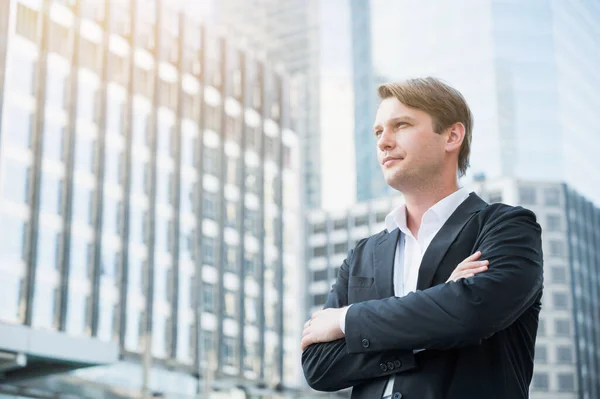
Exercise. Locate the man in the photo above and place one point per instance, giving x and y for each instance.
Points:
(411, 331)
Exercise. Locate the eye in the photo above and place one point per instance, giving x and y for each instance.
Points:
(378, 133)
(401, 124)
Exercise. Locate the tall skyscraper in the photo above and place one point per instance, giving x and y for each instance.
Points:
(149, 204)
(527, 71)
(567, 353)
(312, 40)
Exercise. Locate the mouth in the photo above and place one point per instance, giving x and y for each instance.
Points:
(387, 161)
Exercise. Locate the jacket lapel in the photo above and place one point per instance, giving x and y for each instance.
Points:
(383, 261)
(445, 237)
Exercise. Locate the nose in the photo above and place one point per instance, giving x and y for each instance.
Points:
(387, 140)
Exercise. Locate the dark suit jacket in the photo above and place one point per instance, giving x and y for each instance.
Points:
(479, 333)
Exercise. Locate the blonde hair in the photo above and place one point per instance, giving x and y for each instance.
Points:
(444, 103)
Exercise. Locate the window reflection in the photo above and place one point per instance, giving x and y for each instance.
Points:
(51, 194)
(15, 181)
(12, 238)
(112, 164)
(56, 88)
(85, 153)
(111, 215)
(11, 288)
(43, 305)
(86, 100)
(76, 312)
(22, 77)
(19, 126)
(82, 204)
(53, 141)
(48, 244)
(80, 253)
(105, 320)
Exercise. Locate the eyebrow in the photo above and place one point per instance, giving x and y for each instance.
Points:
(404, 118)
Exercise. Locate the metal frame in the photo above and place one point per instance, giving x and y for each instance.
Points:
(38, 129)
(71, 139)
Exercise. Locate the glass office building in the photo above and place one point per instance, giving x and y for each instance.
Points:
(149, 190)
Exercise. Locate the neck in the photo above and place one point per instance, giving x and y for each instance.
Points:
(419, 201)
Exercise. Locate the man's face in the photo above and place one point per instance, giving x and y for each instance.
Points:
(409, 151)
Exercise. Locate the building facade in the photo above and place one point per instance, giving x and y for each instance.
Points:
(149, 186)
(526, 70)
(567, 350)
(312, 40)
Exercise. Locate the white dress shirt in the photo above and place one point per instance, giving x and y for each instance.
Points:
(411, 249)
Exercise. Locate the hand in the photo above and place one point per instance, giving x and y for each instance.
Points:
(469, 267)
(324, 326)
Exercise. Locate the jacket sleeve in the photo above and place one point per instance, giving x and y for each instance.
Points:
(330, 367)
(451, 315)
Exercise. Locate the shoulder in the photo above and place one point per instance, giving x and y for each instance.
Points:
(498, 214)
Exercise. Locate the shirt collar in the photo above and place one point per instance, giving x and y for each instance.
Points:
(437, 215)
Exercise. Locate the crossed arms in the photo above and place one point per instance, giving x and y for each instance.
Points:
(442, 317)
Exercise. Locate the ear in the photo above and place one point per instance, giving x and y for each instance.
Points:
(454, 137)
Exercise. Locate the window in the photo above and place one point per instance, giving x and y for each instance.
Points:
(557, 248)
(231, 214)
(560, 301)
(527, 196)
(271, 148)
(229, 351)
(541, 354)
(540, 382)
(59, 41)
(208, 297)
(562, 327)
(566, 382)
(361, 221)
(252, 222)
(319, 275)
(232, 171)
(564, 355)
(287, 157)
(558, 274)
(232, 128)
(15, 181)
(380, 217)
(211, 161)
(553, 223)
(213, 118)
(340, 248)
(231, 259)
(27, 22)
(319, 228)
(319, 251)
(19, 132)
(551, 196)
(339, 224)
(541, 328)
(253, 134)
(320, 299)
(250, 264)
(495, 196)
(231, 299)
(209, 250)
(209, 206)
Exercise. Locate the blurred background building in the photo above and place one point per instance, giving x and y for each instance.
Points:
(150, 204)
(312, 41)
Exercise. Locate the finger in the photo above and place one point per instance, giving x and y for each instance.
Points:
(475, 256)
(307, 323)
(306, 341)
(475, 265)
(314, 315)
